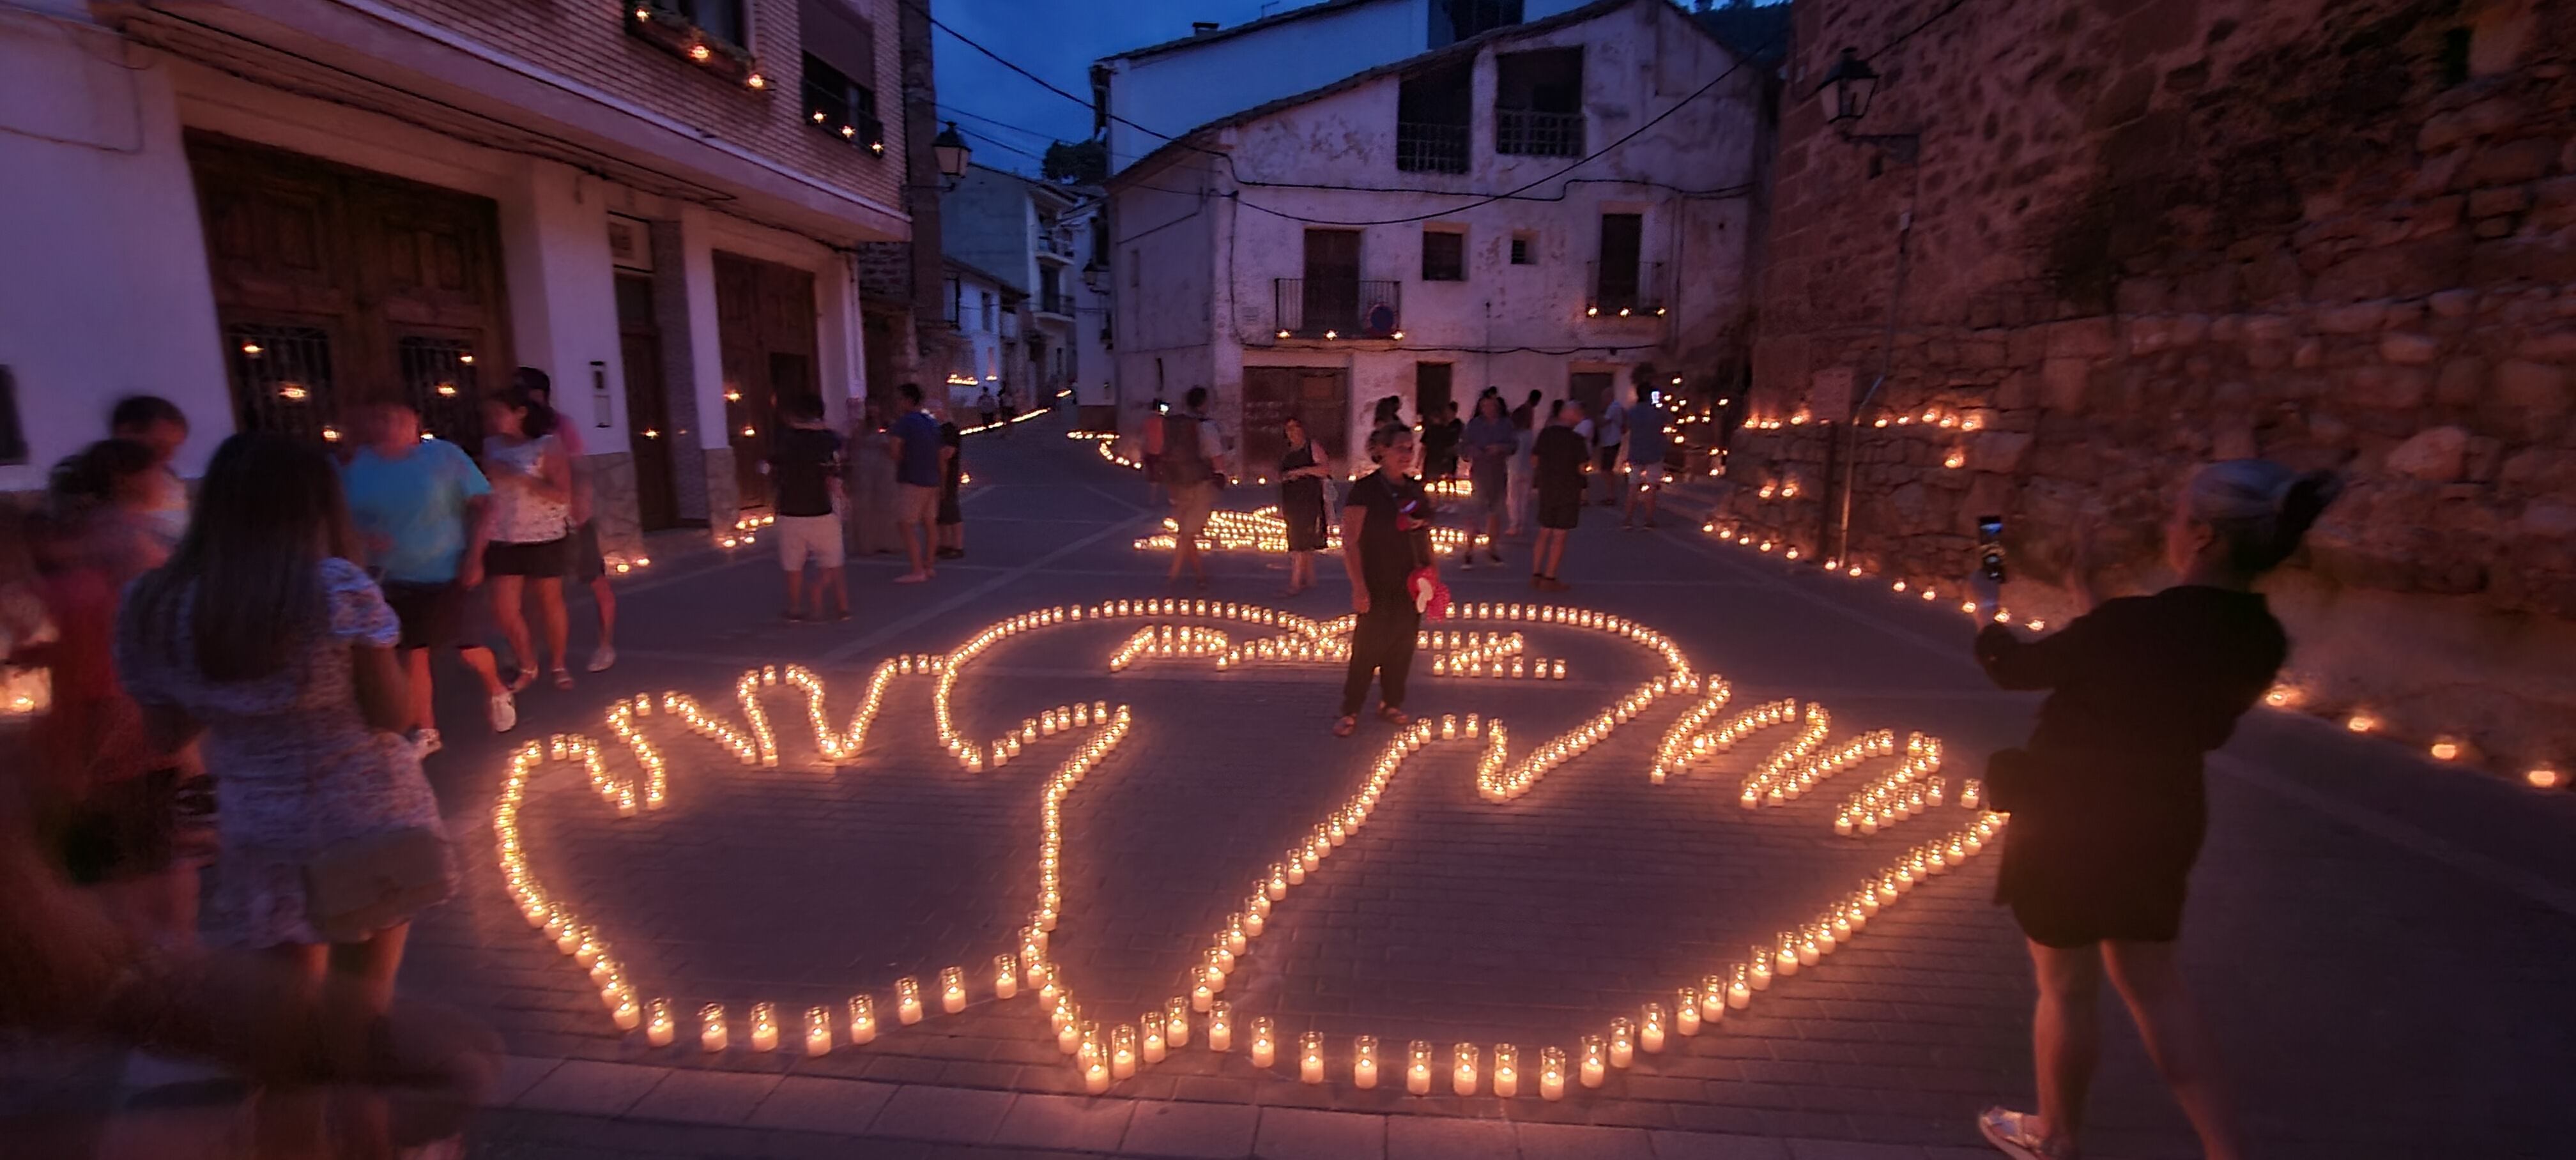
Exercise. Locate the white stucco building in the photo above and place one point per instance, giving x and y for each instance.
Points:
(1415, 230)
(985, 312)
(270, 210)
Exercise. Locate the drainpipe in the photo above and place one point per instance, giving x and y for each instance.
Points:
(1849, 442)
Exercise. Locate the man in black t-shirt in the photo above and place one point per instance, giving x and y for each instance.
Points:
(1386, 537)
(805, 488)
(1558, 456)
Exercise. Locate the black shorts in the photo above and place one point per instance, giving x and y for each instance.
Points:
(950, 514)
(432, 615)
(1560, 509)
(543, 561)
(587, 563)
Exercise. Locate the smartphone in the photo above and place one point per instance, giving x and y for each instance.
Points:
(1161, 407)
(1988, 583)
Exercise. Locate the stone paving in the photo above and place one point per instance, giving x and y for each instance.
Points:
(2381, 944)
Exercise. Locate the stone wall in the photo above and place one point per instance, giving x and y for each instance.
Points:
(2143, 235)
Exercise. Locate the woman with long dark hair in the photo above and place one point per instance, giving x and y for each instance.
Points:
(531, 526)
(1303, 471)
(263, 636)
(2106, 798)
(1386, 538)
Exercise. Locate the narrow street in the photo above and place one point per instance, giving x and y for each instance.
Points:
(2349, 892)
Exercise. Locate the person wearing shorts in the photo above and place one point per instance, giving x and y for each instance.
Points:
(424, 510)
(1558, 457)
(917, 451)
(531, 527)
(805, 485)
(1193, 461)
(1644, 456)
(589, 567)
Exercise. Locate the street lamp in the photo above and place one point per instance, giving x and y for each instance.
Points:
(953, 153)
(1847, 88)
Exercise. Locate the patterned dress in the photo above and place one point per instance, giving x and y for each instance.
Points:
(299, 769)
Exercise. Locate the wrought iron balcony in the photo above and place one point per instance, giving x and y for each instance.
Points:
(1337, 308)
(1425, 147)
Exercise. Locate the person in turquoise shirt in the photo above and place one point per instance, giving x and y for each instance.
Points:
(424, 510)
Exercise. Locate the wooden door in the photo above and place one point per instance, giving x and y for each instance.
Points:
(336, 286)
(648, 405)
(1332, 286)
(765, 336)
(1319, 397)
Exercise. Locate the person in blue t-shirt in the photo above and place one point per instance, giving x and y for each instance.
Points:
(918, 476)
(1644, 454)
(424, 511)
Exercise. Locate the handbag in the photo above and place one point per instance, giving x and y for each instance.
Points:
(354, 888)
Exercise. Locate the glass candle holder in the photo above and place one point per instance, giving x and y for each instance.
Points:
(1364, 1061)
(1149, 1038)
(1176, 1021)
(1068, 1038)
(1551, 1073)
(711, 1027)
(1122, 1051)
(659, 1029)
(863, 1019)
(952, 989)
(1596, 1061)
(1462, 1068)
(1220, 1026)
(1417, 1070)
(1623, 1041)
(1507, 1070)
(907, 1000)
(818, 1031)
(1006, 975)
(1686, 1010)
(1088, 1047)
(1650, 1027)
(1310, 1057)
(1263, 1048)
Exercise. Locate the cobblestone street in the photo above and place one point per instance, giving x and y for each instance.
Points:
(2381, 944)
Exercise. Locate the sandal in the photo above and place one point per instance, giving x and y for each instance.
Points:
(1394, 716)
(2010, 1132)
(1345, 726)
(563, 677)
(520, 680)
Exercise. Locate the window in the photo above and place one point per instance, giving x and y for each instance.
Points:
(1538, 103)
(1444, 256)
(1524, 249)
(956, 298)
(722, 19)
(1456, 20)
(838, 105)
(1432, 113)
(992, 321)
(1616, 276)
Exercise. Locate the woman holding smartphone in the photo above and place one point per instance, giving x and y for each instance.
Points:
(2106, 798)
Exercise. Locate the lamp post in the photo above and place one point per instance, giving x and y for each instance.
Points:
(953, 154)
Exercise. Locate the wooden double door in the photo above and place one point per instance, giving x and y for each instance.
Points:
(337, 286)
(1319, 397)
(765, 316)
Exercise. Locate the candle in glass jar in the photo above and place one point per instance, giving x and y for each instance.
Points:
(1417, 1072)
(818, 1031)
(1462, 1068)
(952, 989)
(1237, 939)
(1265, 1045)
(1006, 975)
(625, 1013)
(1507, 1070)
(1623, 1041)
(1068, 1038)
(1095, 1078)
(1739, 990)
(1122, 1051)
(764, 1026)
(1176, 1022)
(907, 1000)
(1087, 1046)
(1364, 1061)
(1310, 1057)
(1551, 1073)
(1596, 1061)
(1150, 1039)
(658, 1026)
(863, 1019)
(1220, 1028)
(1686, 1010)
(1650, 1027)
(711, 1027)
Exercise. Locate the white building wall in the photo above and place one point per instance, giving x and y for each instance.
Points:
(103, 283)
(1167, 292)
(1515, 327)
(1095, 371)
(981, 357)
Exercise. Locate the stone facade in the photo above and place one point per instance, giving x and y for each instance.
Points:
(2141, 236)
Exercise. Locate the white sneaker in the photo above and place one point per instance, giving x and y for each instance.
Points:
(602, 657)
(426, 742)
(504, 712)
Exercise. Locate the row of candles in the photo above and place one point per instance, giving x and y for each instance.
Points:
(1264, 529)
(1924, 589)
(746, 531)
(1898, 794)
(1167, 642)
(1782, 785)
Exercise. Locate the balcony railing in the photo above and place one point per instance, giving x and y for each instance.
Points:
(1054, 301)
(1337, 308)
(1423, 147)
(1624, 290)
(1535, 134)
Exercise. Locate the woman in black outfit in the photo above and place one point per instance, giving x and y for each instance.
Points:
(1302, 472)
(2106, 799)
(1386, 537)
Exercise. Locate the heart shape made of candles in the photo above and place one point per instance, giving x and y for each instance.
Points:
(1791, 771)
